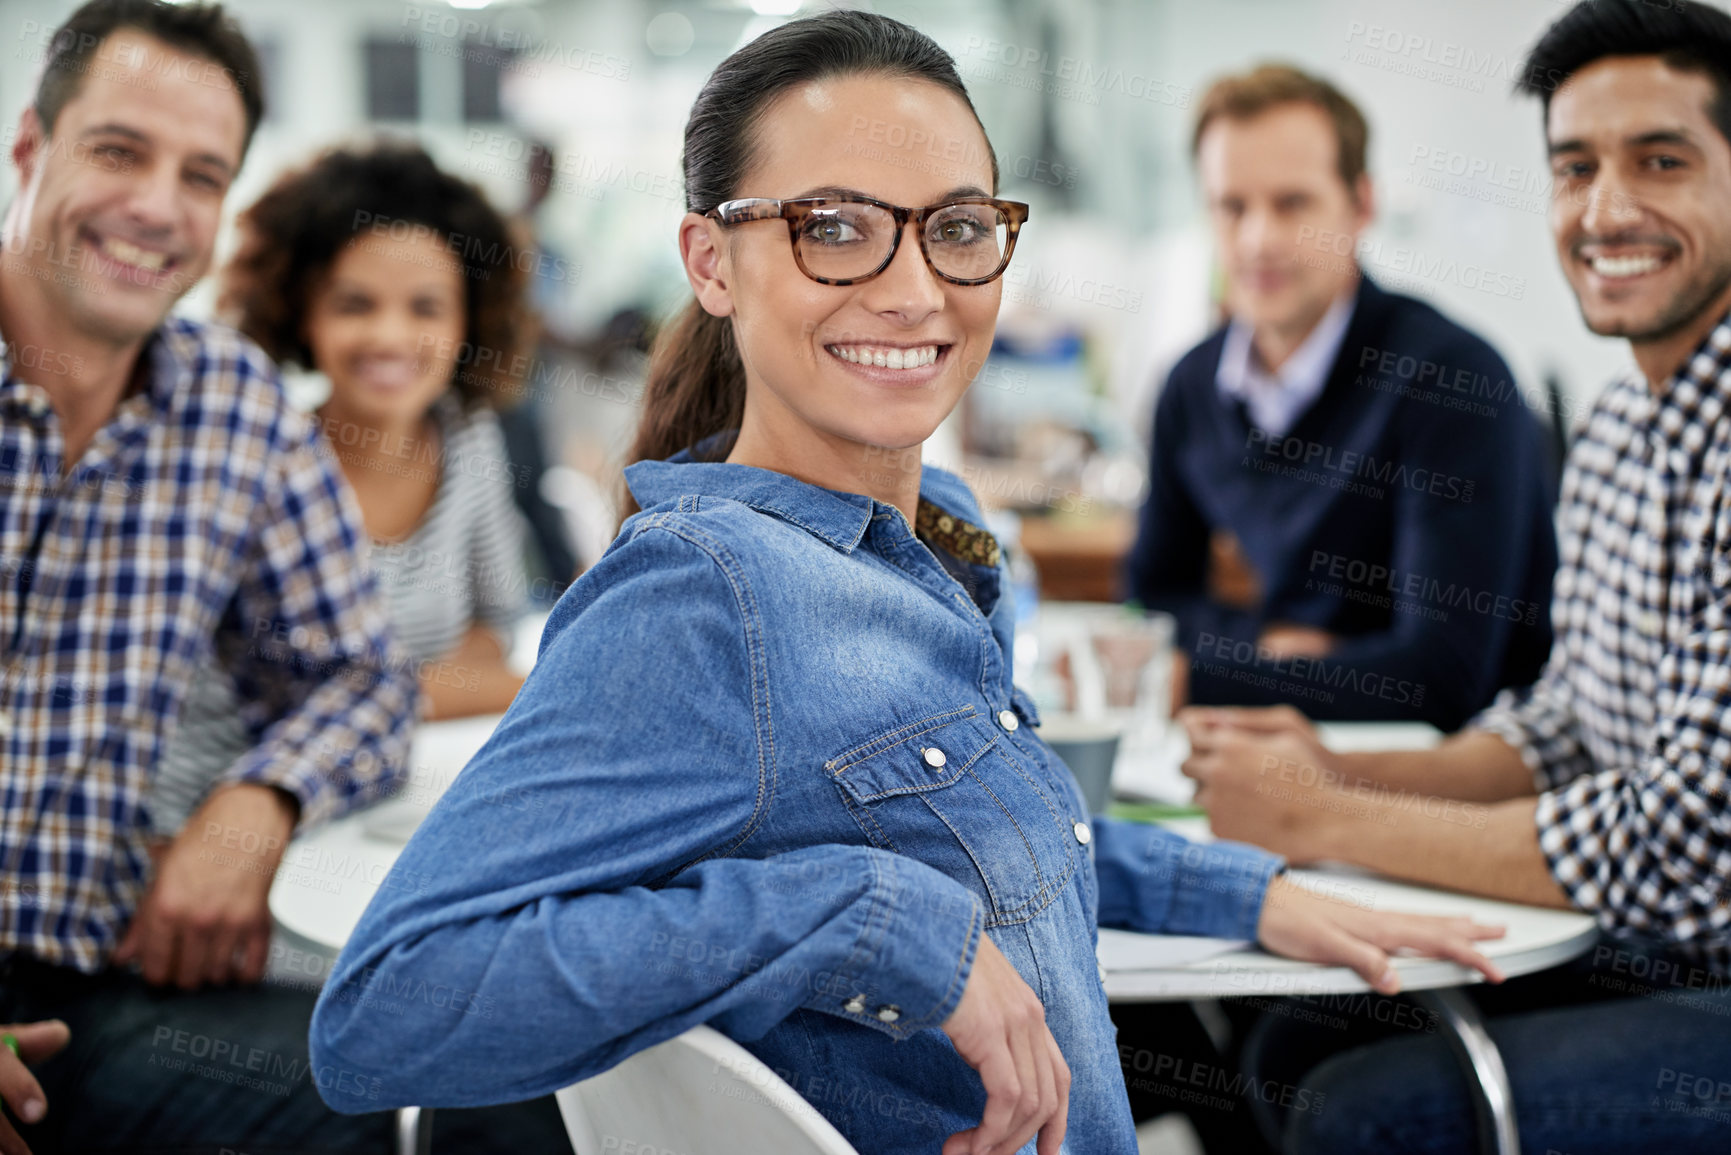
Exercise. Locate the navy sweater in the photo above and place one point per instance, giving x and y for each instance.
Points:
(1407, 512)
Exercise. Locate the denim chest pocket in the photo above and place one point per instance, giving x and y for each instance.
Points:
(947, 791)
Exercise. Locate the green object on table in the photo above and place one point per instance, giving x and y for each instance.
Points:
(11, 1042)
(1154, 811)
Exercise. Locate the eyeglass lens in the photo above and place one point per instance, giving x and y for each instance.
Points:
(844, 240)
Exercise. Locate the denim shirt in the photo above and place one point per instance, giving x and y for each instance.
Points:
(769, 773)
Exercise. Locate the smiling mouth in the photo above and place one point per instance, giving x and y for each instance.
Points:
(147, 262)
(1626, 266)
(388, 372)
(888, 356)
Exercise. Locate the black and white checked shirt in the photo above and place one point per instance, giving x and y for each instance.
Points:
(201, 515)
(1628, 730)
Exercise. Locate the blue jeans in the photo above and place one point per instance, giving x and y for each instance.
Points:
(212, 1072)
(1622, 1050)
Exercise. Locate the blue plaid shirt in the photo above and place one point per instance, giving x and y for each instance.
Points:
(200, 523)
(1628, 730)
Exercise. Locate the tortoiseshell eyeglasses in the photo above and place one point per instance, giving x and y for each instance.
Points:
(843, 240)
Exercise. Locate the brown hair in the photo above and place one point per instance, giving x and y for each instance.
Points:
(293, 234)
(696, 381)
(1269, 85)
(202, 30)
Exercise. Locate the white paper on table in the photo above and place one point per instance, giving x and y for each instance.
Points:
(1153, 774)
(1125, 950)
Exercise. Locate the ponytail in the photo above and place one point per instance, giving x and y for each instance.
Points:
(695, 388)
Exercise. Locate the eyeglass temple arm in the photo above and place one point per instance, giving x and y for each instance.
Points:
(749, 209)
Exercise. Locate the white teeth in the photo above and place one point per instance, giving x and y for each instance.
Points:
(131, 254)
(1625, 266)
(388, 371)
(885, 356)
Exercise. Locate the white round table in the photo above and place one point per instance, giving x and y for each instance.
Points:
(329, 875)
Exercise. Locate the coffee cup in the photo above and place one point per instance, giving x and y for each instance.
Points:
(1089, 747)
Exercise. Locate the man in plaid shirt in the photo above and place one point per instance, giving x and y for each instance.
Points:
(1603, 785)
(159, 498)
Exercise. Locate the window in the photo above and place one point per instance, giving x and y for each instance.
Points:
(393, 77)
(484, 67)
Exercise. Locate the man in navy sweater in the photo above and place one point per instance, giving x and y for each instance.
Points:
(1349, 505)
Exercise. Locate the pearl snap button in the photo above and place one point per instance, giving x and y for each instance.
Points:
(934, 757)
(1084, 834)
(855, 1005)
(889, 1014)
(1008, 720)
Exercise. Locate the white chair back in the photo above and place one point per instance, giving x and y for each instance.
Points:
(699, 1093)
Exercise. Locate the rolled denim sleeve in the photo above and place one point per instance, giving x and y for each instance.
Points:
(1159, 882)
(600, 907)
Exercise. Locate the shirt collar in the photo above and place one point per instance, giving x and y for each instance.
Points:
(167, 356)
(839, 518)
(1693, 398)
(173, 351)
(1277, 399)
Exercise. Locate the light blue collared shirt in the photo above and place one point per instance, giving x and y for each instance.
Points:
(1276, 400)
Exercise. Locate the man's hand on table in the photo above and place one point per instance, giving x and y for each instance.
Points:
(18, 1087)
(206, 917)
(1303, 925)
(1255, 719)
(1273, 787)
(1279, 787)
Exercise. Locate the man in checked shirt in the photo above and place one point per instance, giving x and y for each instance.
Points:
(1603, 785)
(158, 498)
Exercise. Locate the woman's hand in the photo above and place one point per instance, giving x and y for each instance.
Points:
(18, 1087)
(1302, 925)
(471, 678)
(999, 1028)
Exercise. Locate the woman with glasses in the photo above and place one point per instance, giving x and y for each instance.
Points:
(771, 773)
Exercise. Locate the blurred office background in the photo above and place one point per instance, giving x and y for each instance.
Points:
(1089, 103)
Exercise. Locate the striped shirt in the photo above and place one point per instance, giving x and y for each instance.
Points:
(461, 566)
(201, 516)
(1628, 730)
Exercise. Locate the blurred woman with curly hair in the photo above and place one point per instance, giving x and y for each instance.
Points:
(403, 287)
